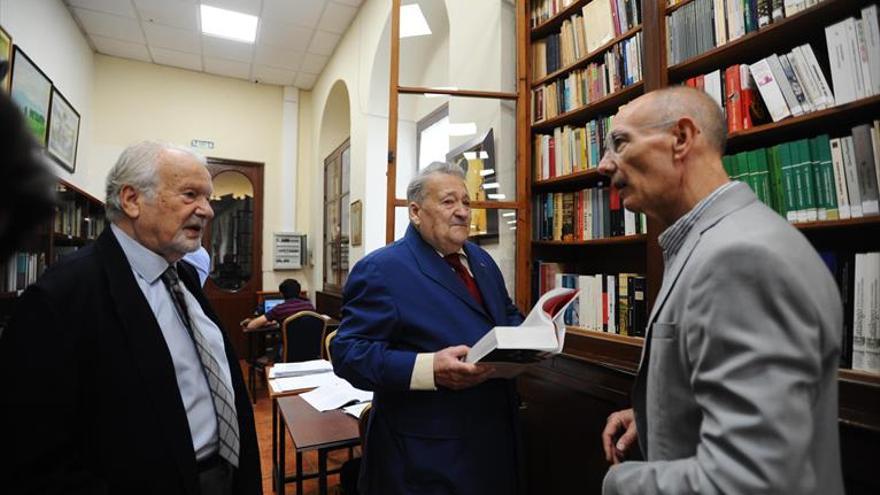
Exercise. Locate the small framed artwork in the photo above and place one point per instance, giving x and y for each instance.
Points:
(357, 214)
(32, 92)
(63, 131)
(5, 56)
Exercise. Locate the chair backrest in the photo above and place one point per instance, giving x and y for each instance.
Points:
(363, 421)
(326, 350)
(302, 334)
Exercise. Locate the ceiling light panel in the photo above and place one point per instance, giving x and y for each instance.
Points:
(228, 24)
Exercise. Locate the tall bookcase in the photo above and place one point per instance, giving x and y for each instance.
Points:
(77, 221)
(567, 399)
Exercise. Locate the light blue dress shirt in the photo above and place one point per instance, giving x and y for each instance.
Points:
(147, 267)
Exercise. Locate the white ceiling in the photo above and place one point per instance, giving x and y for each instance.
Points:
(295, 38)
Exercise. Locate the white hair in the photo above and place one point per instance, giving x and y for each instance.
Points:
(415, 191)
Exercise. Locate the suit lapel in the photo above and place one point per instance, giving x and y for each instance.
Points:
(435, 268)
(151, 355)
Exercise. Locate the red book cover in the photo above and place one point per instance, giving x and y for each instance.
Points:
(552, 148)
(692, 82)
(732, 98)
(615, 16)
(579, 223)
(701, 83)
(748, 96)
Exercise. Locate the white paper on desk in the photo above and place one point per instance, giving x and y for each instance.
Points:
(281, 370)
(280, 385)
(335, 395)
(356, 409)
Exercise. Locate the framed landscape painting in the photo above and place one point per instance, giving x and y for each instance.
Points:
(63, 131)
(5, 56)
(31, 91)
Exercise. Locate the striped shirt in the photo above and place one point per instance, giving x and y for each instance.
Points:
(673, 237)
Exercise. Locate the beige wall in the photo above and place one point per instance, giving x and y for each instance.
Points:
(135, 101)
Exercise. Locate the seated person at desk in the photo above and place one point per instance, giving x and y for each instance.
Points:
(292, 304)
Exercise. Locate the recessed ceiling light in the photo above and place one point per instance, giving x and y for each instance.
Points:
(412, 21)
(228, 24)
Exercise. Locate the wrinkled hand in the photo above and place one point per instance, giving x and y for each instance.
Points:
(621, 420)
(451, 372)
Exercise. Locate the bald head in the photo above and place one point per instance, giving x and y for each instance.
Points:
(675, 102)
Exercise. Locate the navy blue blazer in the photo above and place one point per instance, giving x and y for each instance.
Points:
(404, 299)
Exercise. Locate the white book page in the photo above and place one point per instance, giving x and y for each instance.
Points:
(303, 368)
(300, 382)
(335, 395)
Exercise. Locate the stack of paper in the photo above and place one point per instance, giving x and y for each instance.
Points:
(335, 395)
(356, 409)
(281, 370)
(280, 385)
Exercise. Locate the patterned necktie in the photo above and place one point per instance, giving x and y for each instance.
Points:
(223, 398)
(454, 261)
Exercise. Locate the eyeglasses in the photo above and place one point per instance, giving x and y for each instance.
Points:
(613, 144)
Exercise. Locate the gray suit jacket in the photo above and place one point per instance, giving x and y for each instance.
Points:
(737, 389)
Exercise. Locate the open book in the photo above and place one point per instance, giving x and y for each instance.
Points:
(540, 336)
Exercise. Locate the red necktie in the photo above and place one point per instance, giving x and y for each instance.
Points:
(454, 261)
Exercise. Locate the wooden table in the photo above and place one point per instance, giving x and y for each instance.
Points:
(311, 429)
(273, 397)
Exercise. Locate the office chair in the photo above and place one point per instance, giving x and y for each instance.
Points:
(325, 354)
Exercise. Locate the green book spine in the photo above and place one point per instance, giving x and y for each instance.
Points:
(774, 169)
(725, 162)
(789, 182)
(819, 181)
(742, 169)
(822, 146)
(809, 181)
(758, 173)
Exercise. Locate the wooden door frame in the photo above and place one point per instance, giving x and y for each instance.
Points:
(246, 168)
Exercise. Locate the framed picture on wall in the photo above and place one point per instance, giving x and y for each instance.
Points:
(5, 56)
(357, 214)
(32, 92)
(63, 131)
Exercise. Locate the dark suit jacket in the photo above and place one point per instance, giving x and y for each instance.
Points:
(88, 395)
(402, 300)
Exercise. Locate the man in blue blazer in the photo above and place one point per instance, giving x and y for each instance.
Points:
(410, 311)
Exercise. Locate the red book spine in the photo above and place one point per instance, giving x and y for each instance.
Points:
(747, 96)
(732, 98)
(552, 148)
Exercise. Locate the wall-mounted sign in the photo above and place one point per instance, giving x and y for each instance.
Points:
(202, 144)
(290, 251)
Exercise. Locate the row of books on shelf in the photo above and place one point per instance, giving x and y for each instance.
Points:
(593, 213)
(569, 149)
(858, 278)
(540, 11)
(21, 270)
(815, 179)
(610, 303)
(702, 25)
(621, 67)
(72, 218)
(599, 22)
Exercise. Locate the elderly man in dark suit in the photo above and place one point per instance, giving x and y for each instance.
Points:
(115, 375)
(410, 311)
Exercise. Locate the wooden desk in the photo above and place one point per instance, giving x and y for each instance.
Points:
(273, 397)
(252, 334)
(311, 429)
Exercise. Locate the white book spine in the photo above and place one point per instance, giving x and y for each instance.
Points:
(720, 23)
(769, 89)
(852, 177)
(599, 308)
(872, 313)
(808, 82)
(839, 179)
(872, 41)
(793, 7)
(735, 20)
(629, 222)
(840, 56)
(611, 283)
(875, 145)
(585, 302)
(712, 86)
(859, 357)
(784, 84)
(816, 70)
(852, 40)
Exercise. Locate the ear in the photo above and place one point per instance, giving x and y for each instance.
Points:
(414, 210)
(130, 199)
(686, 133)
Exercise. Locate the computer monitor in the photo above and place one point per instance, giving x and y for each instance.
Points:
(271, 303)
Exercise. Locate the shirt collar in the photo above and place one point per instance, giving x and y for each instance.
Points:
(673, 237)
(460, 252)
(149, 265)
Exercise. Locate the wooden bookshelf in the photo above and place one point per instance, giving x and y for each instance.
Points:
(555, 22)
(672, 8)
(576, 178)
(586, 59)
(628, 239)
(600, 106)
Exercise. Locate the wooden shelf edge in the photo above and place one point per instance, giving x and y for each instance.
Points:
(627, 239)
(8, 295)
(826, 114)
(672, 8)
(862, 377)
(545, 27)
(577, 64)
(610, 337)
(592, 173)
(612, 100)
(835, 224)
(681, 69)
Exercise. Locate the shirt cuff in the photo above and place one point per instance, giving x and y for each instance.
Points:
(423, 372)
